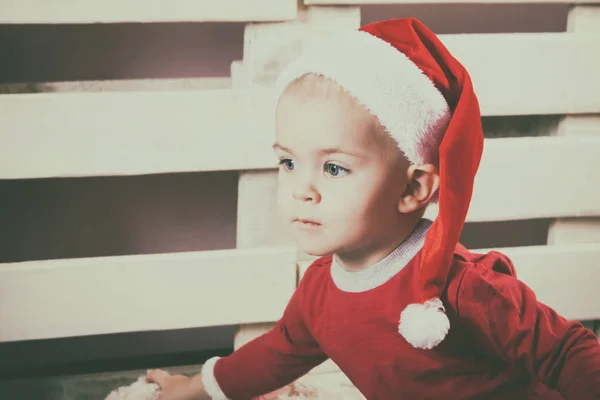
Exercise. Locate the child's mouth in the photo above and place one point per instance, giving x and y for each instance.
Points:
(307, 223)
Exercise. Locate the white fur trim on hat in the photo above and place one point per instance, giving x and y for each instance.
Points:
(386, 82)
(211, 386)
(424, 325)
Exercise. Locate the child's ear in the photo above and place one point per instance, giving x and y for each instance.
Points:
(423, 182)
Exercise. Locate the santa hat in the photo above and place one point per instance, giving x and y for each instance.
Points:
(401, 72)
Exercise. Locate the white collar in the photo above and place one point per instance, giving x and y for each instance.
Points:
(384, 270)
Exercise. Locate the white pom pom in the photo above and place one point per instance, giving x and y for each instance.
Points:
(424, 325)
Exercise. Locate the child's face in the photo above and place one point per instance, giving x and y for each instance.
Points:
(339, 182)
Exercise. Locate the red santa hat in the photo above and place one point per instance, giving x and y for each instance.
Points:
(402, 73)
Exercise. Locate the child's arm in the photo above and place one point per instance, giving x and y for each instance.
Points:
(269, 362)
(506, 318)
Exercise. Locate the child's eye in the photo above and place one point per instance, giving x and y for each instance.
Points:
(335, 170)
(287, 163)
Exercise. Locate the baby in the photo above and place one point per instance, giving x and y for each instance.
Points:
(372, 126)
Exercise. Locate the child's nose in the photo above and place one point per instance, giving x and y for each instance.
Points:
(306, 191)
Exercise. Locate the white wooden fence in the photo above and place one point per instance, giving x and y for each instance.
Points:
(209, 127)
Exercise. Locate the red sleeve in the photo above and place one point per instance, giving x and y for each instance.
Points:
(507, 319)
(273, 360)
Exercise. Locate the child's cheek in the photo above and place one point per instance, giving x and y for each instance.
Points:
(343, 205)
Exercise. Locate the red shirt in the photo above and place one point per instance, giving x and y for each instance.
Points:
(502, 344)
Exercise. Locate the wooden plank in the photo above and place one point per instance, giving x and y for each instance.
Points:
(251, 230)
(118, 85)
(577, 230)
(574, 230)
(246, 333)
(258, 224)
(534, 194)
(563, 277)
(573, 125)
(520, 178)
(114, 133)
(584, 18)
(553, 73)
(143, 133)
(131, 133)
(91, 296)
(380, 2)
(334, 17)
(117, 11)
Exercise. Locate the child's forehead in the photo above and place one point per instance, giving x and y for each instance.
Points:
(324, 127)
(316, 112)
(325, 123)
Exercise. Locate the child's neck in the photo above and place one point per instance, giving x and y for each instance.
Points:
(372, 253)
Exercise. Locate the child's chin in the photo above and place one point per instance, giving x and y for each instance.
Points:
(315, 250)
(318, 253)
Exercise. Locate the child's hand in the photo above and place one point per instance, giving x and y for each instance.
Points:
(176, 387)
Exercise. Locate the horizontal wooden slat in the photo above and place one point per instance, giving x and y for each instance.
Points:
(82, 134)
(537, 73)
(113, 11)
(519, 178)
(574, 230)
(77, 297)
(378, 2)
(564, 277)
(130, 133)
(118, 85)
(536, 177)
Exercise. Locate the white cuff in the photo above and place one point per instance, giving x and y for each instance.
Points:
(211, 386)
